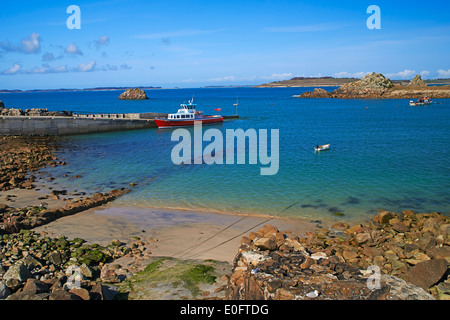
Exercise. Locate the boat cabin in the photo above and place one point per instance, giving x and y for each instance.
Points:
(186, 111)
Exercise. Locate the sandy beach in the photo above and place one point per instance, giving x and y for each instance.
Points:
(169, 233)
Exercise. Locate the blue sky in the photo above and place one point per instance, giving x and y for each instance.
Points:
(200, 43)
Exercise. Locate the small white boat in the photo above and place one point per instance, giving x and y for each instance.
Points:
(322, 147)
(420, 102)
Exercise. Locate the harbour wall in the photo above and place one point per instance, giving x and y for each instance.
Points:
(79, 124)
(59, 126)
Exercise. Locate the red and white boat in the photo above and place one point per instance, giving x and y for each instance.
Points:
(186, 116)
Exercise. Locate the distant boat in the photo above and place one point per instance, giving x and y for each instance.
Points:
(420, 102)
(186, 116)
(322, 147)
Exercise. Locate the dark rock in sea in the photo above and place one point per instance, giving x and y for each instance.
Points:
(133, 94)
(2, 105)
(317, 93)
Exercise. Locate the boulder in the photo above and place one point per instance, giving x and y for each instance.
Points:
(18, 271)
(371, 85)
(317, 93)
(2, 105)
(417, 82)
(133, 94)
(427, 273)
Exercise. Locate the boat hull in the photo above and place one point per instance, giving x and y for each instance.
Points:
(322, 147)
(166, 123)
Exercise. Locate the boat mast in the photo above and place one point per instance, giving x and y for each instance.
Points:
(236, 104)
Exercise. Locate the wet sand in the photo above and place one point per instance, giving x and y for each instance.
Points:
(173, 233)
(182, 234)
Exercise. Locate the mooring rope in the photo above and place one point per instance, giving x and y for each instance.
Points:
(214, 235)
(238, 235)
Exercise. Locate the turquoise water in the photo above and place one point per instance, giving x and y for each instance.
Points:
(384, 154)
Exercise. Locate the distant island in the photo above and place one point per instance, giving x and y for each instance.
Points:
(69, 90)
(332, 82)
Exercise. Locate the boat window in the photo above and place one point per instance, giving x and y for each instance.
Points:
(178, 116)
(183, 116)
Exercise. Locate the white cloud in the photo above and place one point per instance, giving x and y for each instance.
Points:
(102, 41)
(60, 69)
(32, 44)
(405, 74)
(13, 70)
(73, 49)
(277, 76)
(86, 67)
(345, 74)
(443, 73)
(225, 78)
(425, 73)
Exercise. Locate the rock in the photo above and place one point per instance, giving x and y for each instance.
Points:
(33, 286)
(340, 226)
(402, 290)
(417, 82)
(109, 275)
(427, 273)
(82, 293)
(383, 217)
(317, 93)
(57, 258)
(133, 94)
(2, 105)
(400, 227)
(372, 84)
(18, 271)
(362, 238)
(96, 292)
(4, 290)
(61, 294)
(265, 244)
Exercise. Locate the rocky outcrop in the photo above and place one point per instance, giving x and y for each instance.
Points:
(376, 86)
(371, 85)
(133, 94)
(317, 93)
(417, 82)
(20, 156)
(12, 220)
(410, 253)
(2, 105)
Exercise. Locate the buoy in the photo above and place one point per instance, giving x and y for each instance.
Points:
(367, 108)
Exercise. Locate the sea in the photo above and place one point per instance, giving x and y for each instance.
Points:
(384, 154)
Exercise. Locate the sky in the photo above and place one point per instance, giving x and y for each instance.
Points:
(211, 43)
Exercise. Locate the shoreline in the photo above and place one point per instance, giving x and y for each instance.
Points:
(170, 233)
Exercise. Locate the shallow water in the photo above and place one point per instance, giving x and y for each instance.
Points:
(384, 154)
